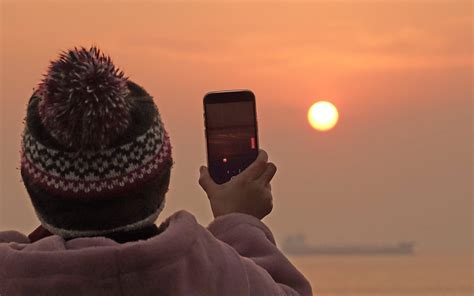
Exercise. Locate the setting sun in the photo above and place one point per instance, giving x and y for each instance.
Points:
(323, 115)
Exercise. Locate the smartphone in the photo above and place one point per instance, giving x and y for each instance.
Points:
(230, 119)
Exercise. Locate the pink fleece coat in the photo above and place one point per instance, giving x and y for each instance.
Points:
(235, 255)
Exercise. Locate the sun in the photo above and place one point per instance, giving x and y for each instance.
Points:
(323, 115)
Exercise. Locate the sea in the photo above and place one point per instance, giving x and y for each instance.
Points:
(413, 275)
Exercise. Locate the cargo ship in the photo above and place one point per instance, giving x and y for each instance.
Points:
(296, 245)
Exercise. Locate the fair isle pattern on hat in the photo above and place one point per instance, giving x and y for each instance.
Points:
(103, 171)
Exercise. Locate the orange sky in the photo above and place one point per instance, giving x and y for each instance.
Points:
(398, 165)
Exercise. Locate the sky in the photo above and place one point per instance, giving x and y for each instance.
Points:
(398, 166)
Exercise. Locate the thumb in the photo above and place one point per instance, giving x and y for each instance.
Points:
(205, 179)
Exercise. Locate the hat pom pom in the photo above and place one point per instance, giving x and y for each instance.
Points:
(83, 100)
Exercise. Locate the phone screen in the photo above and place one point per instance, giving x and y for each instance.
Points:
(231, 131)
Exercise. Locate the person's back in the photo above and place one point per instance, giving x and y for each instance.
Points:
(96, 163)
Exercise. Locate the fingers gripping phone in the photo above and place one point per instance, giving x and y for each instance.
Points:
(230, 119)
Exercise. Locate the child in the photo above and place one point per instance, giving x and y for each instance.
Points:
(96, 163)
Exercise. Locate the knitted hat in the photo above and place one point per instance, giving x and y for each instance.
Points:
(95, 156)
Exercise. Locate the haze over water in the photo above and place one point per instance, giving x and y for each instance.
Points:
(418, 275)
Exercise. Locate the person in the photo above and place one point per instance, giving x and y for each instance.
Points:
(96, 162)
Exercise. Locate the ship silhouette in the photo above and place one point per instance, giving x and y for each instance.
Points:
(296, 245)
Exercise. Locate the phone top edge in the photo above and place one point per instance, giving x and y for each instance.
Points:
(227, 96)
(228, 91)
